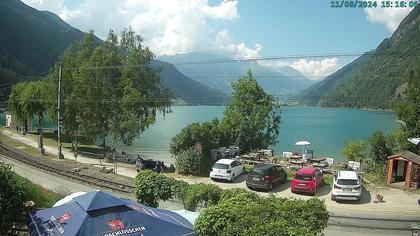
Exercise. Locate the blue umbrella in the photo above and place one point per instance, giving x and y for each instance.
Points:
(102, 214)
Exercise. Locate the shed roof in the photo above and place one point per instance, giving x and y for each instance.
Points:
(407, 155)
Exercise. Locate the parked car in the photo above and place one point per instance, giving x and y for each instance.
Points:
(347, 186)
(226, 169)
(266, 176)
(307, 180)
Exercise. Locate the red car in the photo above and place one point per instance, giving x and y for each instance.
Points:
(307, 180)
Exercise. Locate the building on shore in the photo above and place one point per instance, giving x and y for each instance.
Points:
(12, 122)
(403, 170)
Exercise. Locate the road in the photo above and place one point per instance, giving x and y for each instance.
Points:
(333, 230)
(344, 224)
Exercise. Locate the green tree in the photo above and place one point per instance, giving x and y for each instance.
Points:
(110, 89)
(379, 148)
(354, 151)
(207, 134)
(16, 105)
(253, 117)
(409, 109)
(11, 201)
(34, 98)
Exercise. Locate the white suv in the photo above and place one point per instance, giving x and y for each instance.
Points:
(347, 186)
(226, 169)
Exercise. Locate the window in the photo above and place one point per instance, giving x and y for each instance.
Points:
(220, 166)
(303, 177)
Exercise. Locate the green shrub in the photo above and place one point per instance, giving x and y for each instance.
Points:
(188, 162)
(179, 188)
(263, 216)
(236, 193)
(206, 194)
(12, 197)
(151, 187)
(207, 133)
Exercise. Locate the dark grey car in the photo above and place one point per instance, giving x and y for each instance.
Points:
(266, 176)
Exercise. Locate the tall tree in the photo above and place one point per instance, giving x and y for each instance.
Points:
(16, 105)
(35, 99)
(379, 148)
(354, 151)
(139, 94)
(409, 110)
(110, 88)
(253, 117)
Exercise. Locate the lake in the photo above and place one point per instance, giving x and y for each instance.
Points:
(328, 129)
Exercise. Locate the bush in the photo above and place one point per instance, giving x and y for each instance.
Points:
(151, 187)
(236, 193)
(206, 194)
(264, 216)
(188, 162)
(179, 188)
(207, 133)
(12, 197)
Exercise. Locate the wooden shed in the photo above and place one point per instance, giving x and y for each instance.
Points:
(404, 170)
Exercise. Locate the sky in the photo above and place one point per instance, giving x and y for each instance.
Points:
(238, 29)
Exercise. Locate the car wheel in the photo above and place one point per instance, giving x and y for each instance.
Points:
(315, 192)
(332, 197)
(232, 177)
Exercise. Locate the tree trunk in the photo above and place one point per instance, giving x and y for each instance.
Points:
(25, 124)
(41, 131)
(103, 151)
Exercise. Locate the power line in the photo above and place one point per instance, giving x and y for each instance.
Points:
(228, 60)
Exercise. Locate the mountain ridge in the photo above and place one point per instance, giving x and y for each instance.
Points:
(35, 39)
(221, 75)
(371, 81)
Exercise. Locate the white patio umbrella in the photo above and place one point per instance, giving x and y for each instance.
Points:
(302, 143)
(191, 216)
(68, 198)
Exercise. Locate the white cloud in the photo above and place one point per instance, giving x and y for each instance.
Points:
(226, 10)
(316, 69)
(224, 43)
(168, 27)
(391, 17)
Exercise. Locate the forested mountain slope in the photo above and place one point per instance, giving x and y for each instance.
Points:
(371, 80)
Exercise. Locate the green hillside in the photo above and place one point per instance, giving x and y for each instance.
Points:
(371, 80)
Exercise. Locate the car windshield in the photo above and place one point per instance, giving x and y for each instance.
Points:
(303, 177)
(348, 182)
(257, 172)
(220, 166)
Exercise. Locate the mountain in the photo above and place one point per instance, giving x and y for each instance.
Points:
(372, 80)
(204, 68)
(312, 95)
(189, 90)
(32, 40)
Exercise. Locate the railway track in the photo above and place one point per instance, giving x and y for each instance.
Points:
(19, 156)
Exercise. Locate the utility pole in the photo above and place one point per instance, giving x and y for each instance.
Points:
(60, 154)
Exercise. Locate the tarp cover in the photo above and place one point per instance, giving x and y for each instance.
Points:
(102, 214)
